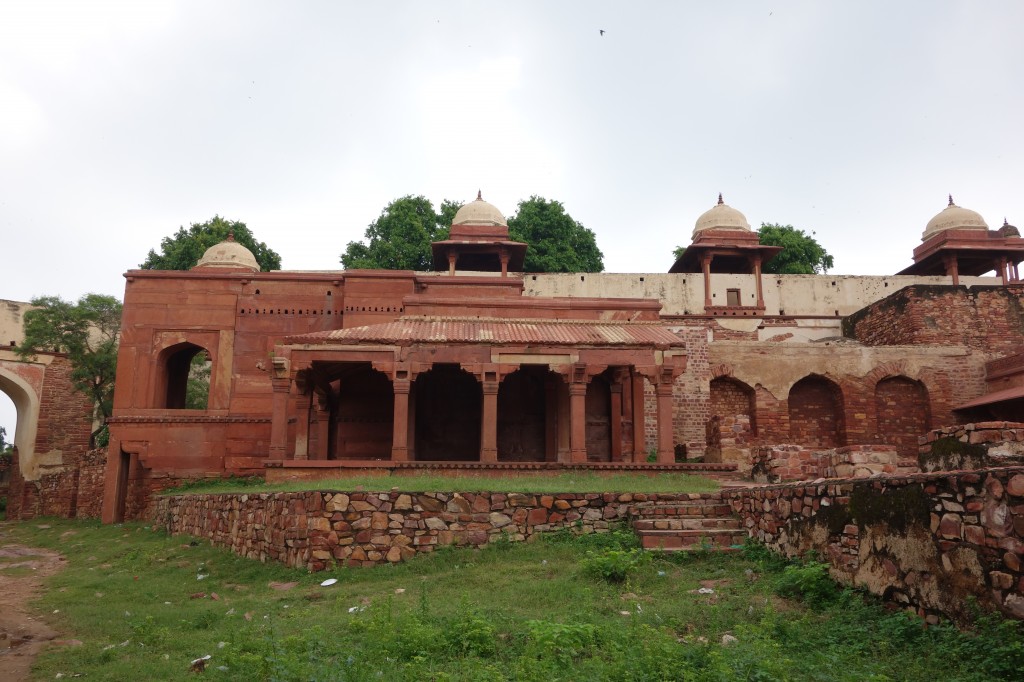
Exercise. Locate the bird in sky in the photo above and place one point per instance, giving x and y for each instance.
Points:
(601, 30)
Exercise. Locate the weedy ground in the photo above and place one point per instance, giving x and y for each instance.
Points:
(592, 607)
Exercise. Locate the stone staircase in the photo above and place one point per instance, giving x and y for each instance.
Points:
(687, 524)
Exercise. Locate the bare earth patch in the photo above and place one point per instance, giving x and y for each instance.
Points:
(22, 571)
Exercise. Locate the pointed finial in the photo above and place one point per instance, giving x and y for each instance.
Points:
(1005, 222)
(720, 202)
(950, 199)
(231, 236)
(479, 196)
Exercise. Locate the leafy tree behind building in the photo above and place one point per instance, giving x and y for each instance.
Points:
(555, 241)
(184, 248)
(87, 331)
(801, 253)
(399, 239)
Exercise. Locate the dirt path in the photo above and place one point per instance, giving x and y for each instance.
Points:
(22, 571)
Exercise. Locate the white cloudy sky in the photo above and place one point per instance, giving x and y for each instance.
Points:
(121, 121)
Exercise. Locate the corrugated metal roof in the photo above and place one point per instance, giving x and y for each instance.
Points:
(496, 331)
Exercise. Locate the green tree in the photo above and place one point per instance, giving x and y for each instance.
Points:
(6, 447)
(87, 332)
(801, 253)
(557, 243)
(184, 249)
(399, 239)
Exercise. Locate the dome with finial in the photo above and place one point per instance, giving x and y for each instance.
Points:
(1008, 230)
(479, 212)
(228, 254)
(954, 217)
(721, 216)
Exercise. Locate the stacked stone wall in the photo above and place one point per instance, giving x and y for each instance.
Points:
(989, 319)
(317, 530)
(926, 541)
(972, 446)
(778, 463)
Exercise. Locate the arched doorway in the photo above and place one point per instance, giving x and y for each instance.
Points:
(527, 414)
(816, 413)
(25, 405)
(363, 414)
(902, 413)
(448, 402)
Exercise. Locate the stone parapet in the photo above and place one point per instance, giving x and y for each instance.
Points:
(972, 446)
(778, 463)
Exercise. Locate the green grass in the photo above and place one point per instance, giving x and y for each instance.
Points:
(528, 611)
(565, 482)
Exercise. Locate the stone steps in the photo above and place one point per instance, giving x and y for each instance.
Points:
(701, 521)
(691, 539)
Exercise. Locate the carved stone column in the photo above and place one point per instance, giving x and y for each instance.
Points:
(400, 426)
(280, 383)
(489, 420)
(578, 422)
(666, 452)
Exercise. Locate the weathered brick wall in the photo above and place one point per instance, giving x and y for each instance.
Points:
(316, 530)
(989, 319)
(902, 413)
(972, 446)
(926, 541)
(62, 440)
(73, 490)
(816, 413)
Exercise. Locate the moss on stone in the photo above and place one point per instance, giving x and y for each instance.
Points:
(899, 508)
(950, 454)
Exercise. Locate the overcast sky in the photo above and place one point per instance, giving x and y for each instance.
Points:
(120, 122)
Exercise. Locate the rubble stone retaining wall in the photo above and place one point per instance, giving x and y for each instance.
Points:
(926, 541)
(317, 529)
(777, 463)
(972, 446)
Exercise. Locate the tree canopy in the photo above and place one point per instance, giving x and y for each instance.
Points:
(556, 242)
(399, 239)
(184, 249)
(87, 331)
(6, 446)
(801, 253)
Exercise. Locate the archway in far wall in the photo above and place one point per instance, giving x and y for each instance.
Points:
(527, 411)
(816, 413)
(732, 398)
(902, 413)
(599, 420)
(448, 402)
(26, 405)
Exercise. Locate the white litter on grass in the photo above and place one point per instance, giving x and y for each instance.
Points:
(705, 590)
(202, 576)
(662, 574)
(356, 609)
(328, 582)
(625, 613)
(400, 590)
(221, 645)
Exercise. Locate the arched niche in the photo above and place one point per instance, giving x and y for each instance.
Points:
(363, 414)
(731, 398)
(26, 404)
(527, 413)
(902, 413)
(816, 413)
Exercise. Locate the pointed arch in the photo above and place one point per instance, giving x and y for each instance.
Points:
(902, 413)
(816, 412)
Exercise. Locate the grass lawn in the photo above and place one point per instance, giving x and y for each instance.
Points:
(563, 482)
(145, 604)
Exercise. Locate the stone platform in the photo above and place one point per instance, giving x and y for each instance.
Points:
(313, 470)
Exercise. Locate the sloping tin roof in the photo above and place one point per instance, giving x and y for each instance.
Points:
(495, 331)
(994, 397)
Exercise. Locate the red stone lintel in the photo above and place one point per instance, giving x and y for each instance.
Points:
(734, 310)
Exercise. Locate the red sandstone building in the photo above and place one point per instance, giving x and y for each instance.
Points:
(311, 372)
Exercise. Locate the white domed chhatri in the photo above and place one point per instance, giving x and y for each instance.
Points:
(479, 212)
(721, 217)
(954, 217)
(228, 254)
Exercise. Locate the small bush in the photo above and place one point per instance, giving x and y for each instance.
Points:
(810, 582)
(614, 565)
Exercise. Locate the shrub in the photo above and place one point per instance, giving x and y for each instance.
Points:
(614, 565)
(810, 582)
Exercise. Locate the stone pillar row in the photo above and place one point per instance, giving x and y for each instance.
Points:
(312, 414)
